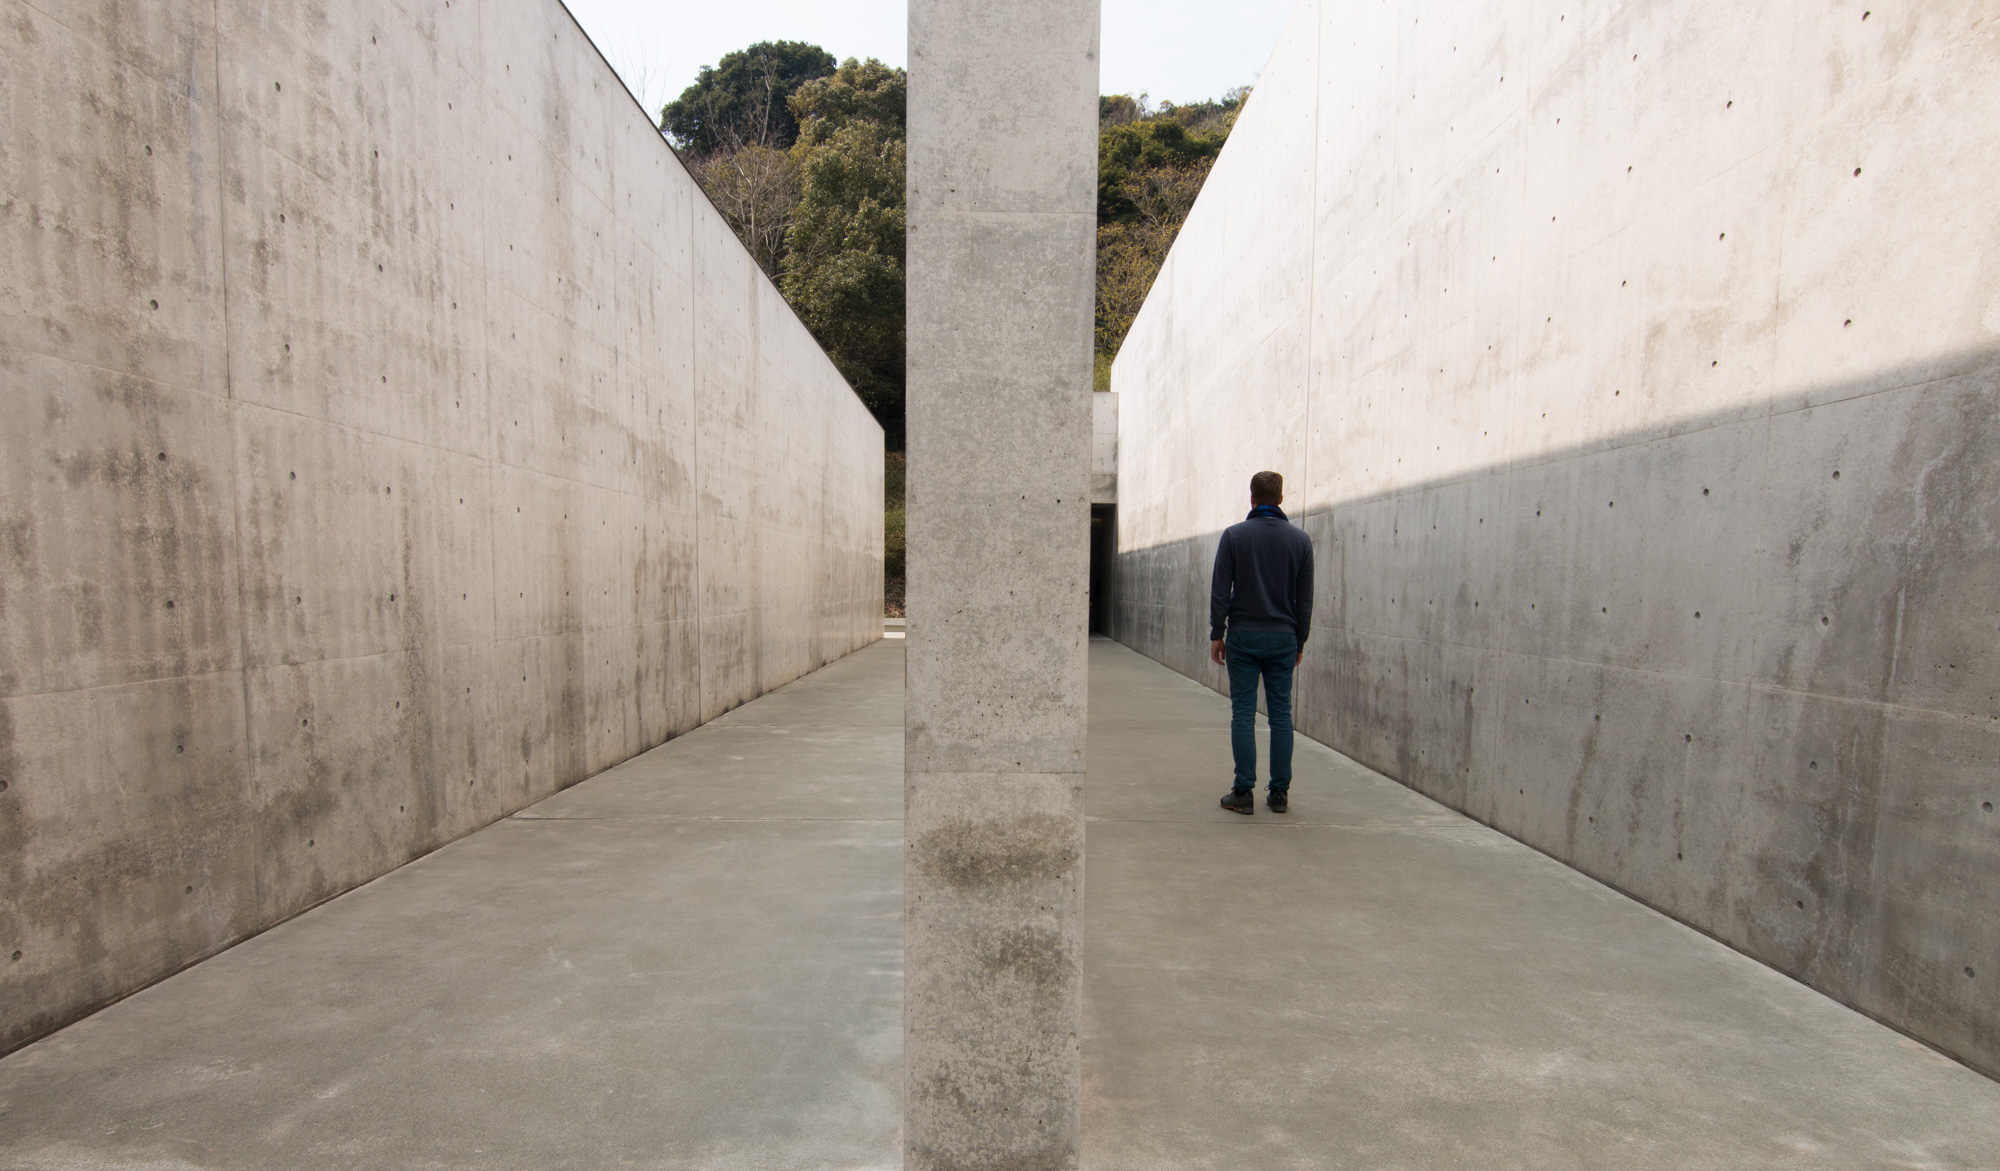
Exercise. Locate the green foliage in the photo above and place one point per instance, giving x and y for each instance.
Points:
(1133, 139)
(844, 254)
(864, 91)
(743, 100)
(893, 549)
(1151, 164)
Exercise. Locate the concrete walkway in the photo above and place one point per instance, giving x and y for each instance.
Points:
(693, 961)
(689, 961)
(1373, 981)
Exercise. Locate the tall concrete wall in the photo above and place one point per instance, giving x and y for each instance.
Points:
(1003, 226)
(1636, 370)
(391, 435)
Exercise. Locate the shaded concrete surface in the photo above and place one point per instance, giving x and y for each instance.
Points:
(692, 960)
(392, 435)
(1373, 981)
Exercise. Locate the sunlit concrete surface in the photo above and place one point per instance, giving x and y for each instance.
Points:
(1374, 981)
(692, 960)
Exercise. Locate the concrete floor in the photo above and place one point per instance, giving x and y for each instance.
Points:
(1373, 981)
(692, 961)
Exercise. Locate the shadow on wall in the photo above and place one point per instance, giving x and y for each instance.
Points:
(1745, 668)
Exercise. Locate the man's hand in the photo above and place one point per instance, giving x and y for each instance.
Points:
(1215, 654)
(1300, 659)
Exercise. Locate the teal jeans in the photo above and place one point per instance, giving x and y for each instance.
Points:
(1267, 654)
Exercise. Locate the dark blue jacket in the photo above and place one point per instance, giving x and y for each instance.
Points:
(1263, 577)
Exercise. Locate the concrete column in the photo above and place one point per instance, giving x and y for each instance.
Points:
(1002, 226)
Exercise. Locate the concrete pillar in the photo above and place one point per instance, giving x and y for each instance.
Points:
(1002, 226)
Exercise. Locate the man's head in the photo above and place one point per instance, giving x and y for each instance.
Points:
(1267, 488)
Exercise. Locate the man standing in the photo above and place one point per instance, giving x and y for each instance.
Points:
(1261, 596)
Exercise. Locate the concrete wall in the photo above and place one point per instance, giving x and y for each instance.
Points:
(1003, 222)
(1636, 369)
(1104, 448)
(391, 436)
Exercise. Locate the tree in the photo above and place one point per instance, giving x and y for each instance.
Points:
(1131, 251)
(859, 90)
(844, 259)
(744, 99)
(1151, 164)
(756, 189)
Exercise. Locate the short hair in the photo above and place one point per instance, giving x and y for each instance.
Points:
(1267, 488)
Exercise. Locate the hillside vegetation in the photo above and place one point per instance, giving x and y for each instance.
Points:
(1151, 163)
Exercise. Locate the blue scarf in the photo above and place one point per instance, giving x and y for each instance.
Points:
(1270, 510)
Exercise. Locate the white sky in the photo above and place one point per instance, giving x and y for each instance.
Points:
(1182, 50)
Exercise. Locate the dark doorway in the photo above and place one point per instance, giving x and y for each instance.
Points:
(1103, 555)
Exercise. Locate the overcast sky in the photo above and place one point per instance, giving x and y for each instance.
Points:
(1181, 50)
